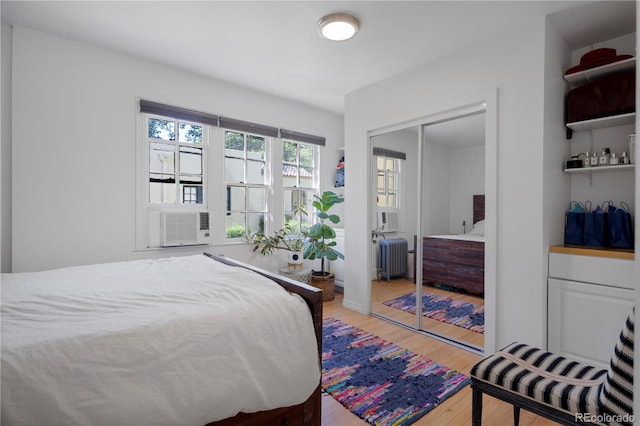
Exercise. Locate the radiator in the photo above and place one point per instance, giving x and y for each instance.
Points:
(393, 258)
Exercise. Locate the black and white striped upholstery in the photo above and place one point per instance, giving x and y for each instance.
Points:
(563, 390)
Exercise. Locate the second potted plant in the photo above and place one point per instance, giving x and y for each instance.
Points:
(320, 242)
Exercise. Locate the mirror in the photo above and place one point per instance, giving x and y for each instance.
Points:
(428, 186)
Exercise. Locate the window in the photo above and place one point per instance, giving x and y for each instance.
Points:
(388, 173)
(246, 180)
(176, 161)
(299, 181)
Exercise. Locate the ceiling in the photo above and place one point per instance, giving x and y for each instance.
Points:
(274, 47)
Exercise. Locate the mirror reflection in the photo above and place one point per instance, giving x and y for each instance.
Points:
(428, 240)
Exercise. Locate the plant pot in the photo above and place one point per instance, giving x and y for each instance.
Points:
(295, 260)
(326, 283)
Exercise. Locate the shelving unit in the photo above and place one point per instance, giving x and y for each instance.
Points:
(603, 169)
(601, 123)
(582, 77)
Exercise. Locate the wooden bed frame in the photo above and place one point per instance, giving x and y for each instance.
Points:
(456, 263)
(309, 412)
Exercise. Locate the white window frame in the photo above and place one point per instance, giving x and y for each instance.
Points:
(146, 226)
(267, 185)
(397, 173)
(315, 178)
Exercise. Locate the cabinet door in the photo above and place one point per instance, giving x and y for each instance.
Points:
(585, 320)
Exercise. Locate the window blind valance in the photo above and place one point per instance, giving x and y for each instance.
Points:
(302, 137)
(156, 108)
(247, 126)
(389, 153)
(178, 113)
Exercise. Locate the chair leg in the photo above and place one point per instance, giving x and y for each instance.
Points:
(476, 406)
(516, 415)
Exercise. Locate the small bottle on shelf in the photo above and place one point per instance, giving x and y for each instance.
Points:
(594, 159)
(604, 157)
(624, 158)
(586, 161)
(613, 159)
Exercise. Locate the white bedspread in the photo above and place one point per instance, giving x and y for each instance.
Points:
(178, 341)
(462, 237)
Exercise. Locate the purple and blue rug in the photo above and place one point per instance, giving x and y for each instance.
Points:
(452, 311)
(379, 381)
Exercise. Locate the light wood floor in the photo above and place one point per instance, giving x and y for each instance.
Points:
(381, 291)
(454, 411)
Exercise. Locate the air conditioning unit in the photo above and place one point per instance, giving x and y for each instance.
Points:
(389, 220)
(184, 228)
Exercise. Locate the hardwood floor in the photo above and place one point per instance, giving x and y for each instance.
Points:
(454, 411)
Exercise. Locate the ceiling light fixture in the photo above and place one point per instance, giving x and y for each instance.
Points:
(338, 26)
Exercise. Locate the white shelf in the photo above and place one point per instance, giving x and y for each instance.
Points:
(602, 169)
(586, 76)
(599, 123)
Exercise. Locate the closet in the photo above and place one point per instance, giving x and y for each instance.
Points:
(591, 290)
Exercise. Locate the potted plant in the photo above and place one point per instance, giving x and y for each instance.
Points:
(287, 238)
(320, 244)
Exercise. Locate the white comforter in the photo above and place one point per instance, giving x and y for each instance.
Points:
(183, 340)
(462, 237)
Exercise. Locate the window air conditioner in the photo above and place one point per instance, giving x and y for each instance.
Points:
(184, 228)
(388, 220)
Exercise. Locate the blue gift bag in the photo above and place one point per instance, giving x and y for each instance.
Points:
(574, 224)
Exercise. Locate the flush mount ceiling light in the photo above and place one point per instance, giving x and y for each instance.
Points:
(338, 26)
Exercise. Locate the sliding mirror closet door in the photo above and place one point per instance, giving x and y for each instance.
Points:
(395, 172)
(427, 216)
(453, 194)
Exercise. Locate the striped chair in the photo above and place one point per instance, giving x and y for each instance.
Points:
(557, 388)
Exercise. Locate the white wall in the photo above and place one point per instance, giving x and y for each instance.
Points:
(513, 65)
(466, 177)
(5, 152)
(74, 133)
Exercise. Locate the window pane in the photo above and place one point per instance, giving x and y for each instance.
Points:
(289, 175)
(160, 192)
(235, 196)
(288, 200)
(256, 199)
(190, 160)
(289, 152)
(234, 170)
(306, 177)
(235, 225)
(380, 162)
(391, 200)
(191, 194)
(161, 158)
(234, 144)
(390, 164)
(391, 179)
(162, 129)
(380, 183)
(255, 172)
(189, 133)
(255, 222)
(255, 147)
(306, 155)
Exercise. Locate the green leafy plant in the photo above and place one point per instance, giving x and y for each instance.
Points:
(319, 238)
(288, 238)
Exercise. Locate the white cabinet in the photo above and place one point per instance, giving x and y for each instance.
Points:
(589, 299)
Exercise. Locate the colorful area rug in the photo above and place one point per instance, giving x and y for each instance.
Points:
(379, 381)
(452, 311)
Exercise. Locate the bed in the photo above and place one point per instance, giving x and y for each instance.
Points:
(190, 340)
(457, 261)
